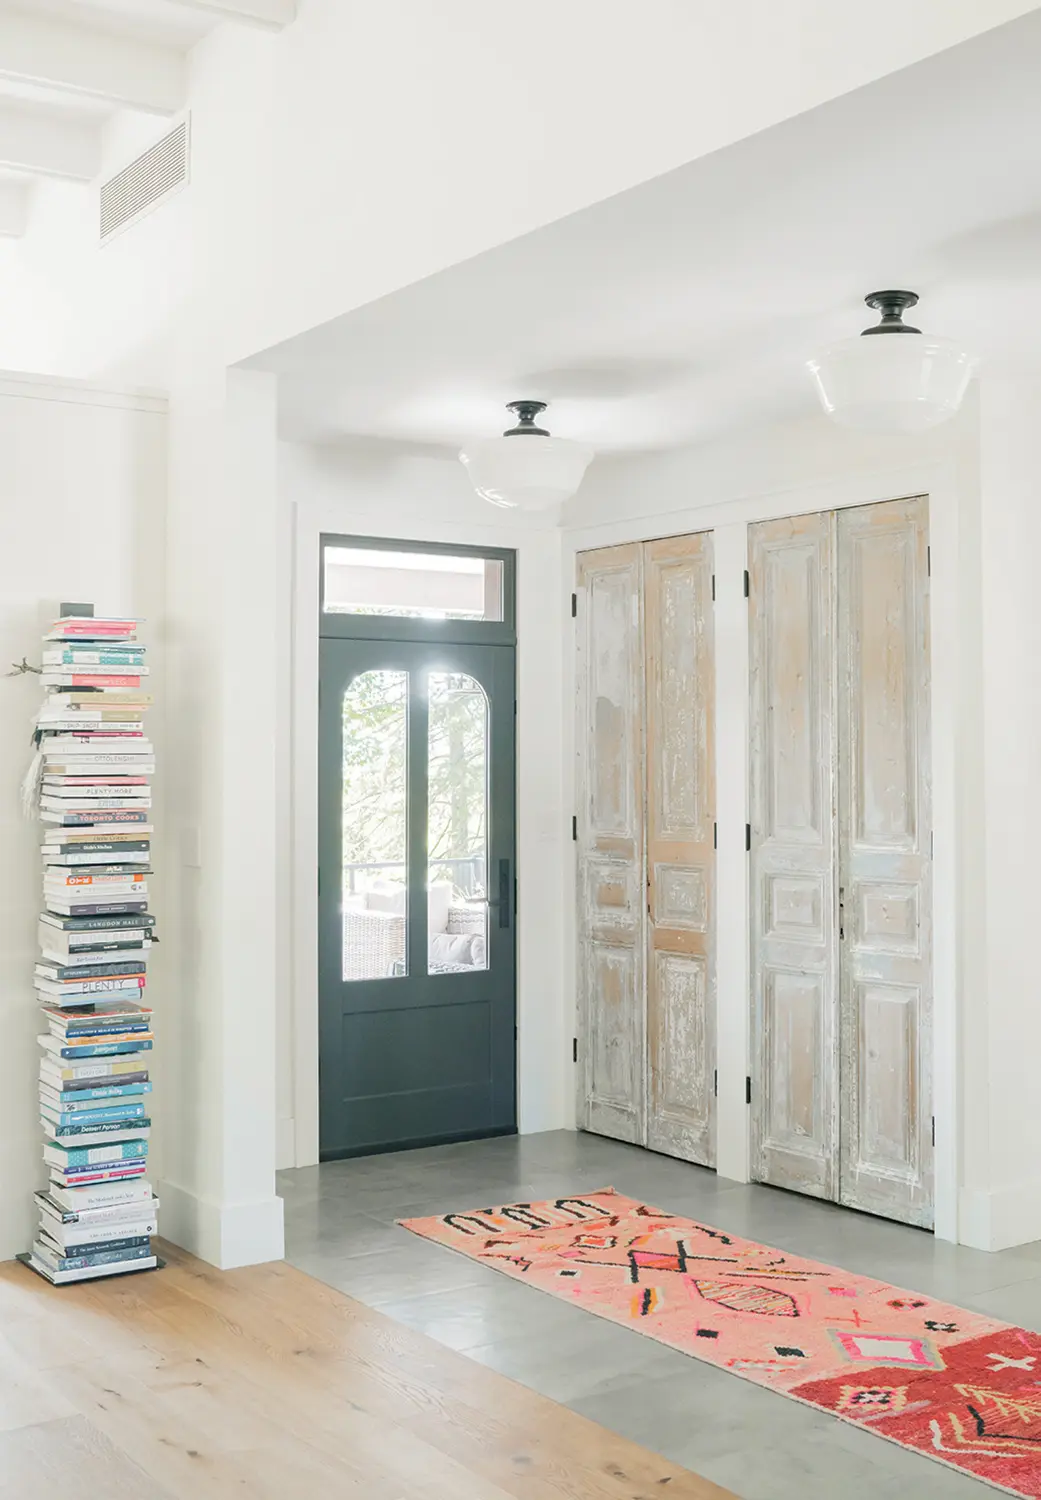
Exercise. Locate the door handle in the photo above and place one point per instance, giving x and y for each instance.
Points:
(502, 900)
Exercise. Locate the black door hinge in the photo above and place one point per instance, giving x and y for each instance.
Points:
(715, 835)
(934, 1130)
(746, 583)
(574, 829)
(748, 837)
(715, 1083)
(928, 562)
(748, 1090)
(574, 1049)
(713, 588)
(574, 605)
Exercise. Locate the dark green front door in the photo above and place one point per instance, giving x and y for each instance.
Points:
(416, 893)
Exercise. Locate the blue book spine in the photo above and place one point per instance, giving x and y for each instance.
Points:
(73, 1096)
(95, 658)
(88, 1156)
(98, 1116)
(68, 1135)
(106, 1049)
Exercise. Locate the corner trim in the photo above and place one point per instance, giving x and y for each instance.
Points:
(227, 1235)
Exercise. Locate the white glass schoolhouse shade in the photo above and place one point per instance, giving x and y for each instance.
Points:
(525, 467)
(901, 381)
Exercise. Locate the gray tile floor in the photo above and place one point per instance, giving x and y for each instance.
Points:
(340, 1228)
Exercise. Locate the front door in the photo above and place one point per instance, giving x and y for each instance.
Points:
(416, 893)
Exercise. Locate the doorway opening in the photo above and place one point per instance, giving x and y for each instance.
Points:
(417, 840)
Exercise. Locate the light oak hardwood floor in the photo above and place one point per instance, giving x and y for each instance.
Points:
(265, 1383)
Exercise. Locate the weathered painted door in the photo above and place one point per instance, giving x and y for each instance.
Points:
(795, 1033)
(610, 832)
(841, 857)
(680, 854)
(885, 860)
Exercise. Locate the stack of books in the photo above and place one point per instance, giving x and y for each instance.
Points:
(98, 1212)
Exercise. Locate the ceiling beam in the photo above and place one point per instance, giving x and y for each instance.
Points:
(273, 14)
(56, 54)
(14, 208)
(47, 145)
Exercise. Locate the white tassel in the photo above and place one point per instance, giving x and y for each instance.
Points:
(31, 785)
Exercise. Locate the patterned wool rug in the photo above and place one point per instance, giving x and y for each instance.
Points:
(961, 1388)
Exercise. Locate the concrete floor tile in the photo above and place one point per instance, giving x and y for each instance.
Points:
(340, 1223)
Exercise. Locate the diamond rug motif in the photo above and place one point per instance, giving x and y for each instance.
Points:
(953, 1385)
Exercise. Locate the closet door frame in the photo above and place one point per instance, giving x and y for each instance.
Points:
(735, 504)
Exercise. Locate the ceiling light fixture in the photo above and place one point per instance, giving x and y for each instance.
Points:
(525, 468)
(893, 378)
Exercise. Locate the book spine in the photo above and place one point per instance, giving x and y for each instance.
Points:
(84, 656)
(66, 679)
(105, 1049)
(114, 1091)
(87, 1117)
(75, 1135)
(97, 1156)
(99, 1176)
(105, 1258)
(110, 1198)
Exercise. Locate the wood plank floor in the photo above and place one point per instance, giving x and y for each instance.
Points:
(265, 1383)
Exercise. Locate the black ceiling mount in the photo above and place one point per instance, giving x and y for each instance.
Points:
(892, 306)
(526, 411)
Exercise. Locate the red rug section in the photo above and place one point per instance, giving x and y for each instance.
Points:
(963, 1389)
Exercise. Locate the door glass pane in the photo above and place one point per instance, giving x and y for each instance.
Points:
(375, 826)
(457, 838)
(428, 586)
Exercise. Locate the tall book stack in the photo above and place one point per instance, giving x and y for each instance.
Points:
(94, 766)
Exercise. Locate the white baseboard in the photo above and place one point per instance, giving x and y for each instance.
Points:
(1000, 1218)
(225, 1234)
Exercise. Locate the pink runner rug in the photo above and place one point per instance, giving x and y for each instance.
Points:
(961, 1388)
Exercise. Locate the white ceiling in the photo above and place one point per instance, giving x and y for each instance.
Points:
(68, 66)
(685, 307)
(149, 20)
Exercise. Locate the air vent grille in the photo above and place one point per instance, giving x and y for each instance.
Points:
(146, 182)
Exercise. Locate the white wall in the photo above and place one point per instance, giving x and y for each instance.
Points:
(364, 147)
(428, 500)
(83, 487)
(1002, 1198)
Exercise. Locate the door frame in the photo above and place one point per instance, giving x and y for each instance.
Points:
(729, 518)
(543, 1007)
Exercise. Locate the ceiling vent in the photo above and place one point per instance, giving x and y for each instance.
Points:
(147, 182)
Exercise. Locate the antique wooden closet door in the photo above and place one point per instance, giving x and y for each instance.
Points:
(884, 863)
(646, 861)
(610, 831)
(795, 1061)
(840, 846)
(681, 990)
